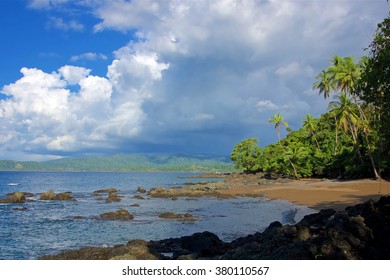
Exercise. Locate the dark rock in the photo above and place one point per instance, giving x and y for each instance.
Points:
(64, 196)
(120, 214)
(137, 196)
(113, 197)
(20, 209)
(179, 217)
(141, 190)
(110, 190)
(135, 205)
(359, 232)
(198, 245)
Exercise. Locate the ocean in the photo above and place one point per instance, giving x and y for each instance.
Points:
(38, 228)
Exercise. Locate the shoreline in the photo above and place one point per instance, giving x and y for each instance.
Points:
(317, 194)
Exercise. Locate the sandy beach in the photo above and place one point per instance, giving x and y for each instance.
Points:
(315, 193)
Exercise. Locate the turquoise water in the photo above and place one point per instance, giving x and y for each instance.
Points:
(49, 227)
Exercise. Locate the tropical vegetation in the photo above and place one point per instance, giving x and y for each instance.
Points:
(350, 140)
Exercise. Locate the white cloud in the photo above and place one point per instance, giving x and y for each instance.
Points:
(89, 56)
(43, 115)
(135, 70)
(73, 74)
(265, 105)
(206, 72)
(59, 23)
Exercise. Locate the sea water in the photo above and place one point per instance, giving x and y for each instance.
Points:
(37, 228)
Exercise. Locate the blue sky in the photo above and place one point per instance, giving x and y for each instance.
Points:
(114, 76)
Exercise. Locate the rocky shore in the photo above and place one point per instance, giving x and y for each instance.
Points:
(358, 232)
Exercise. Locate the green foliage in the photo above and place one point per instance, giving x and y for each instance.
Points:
(248, 156)
(375, 91)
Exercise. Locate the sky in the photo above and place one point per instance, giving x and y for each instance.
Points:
(85, 77)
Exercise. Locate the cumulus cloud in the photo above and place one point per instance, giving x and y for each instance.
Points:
(197, 76)
(73, 74)
(42, 115)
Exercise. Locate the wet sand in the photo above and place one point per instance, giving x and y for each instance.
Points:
(315, 193)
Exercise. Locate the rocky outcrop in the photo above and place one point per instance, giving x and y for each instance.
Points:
(358, 232)
(50, 195)
(141, 190)
(210, 189)
(137, 196)
(110, 190)
(120, 214)
(16, 197)
(113, 197)
(178, 217)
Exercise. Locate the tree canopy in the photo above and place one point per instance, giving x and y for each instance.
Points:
(352, 139)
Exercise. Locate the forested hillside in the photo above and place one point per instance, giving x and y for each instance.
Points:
(200, 163)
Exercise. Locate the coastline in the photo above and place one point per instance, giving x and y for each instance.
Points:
(316, 193)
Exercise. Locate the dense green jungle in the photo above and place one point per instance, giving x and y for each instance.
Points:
(350, 140)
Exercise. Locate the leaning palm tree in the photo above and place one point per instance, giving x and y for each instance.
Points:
(343, 76)
(346, 114)
(277, 119)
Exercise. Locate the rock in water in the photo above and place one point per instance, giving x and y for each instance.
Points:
(359, 232)
(120, 214)
(113, 197)
(179, 217)
(16, 197)
(110, 190)
(50, 195)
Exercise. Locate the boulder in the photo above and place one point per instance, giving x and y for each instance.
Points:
(199, 245)
(141, 190)
(113, 197)
(50, 195)
(110, 190)
(137, 196)
(179, 217)
(120, 214)
(16, 197)
(64, 196)
(358, 232)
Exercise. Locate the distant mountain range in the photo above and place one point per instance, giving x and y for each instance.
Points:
(133, 162)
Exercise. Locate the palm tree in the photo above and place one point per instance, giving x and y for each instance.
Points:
(309, 124)
(345, 112)
(343, 76)
(324, 83)
(293, 153)
(277, 119)
(348, 75)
